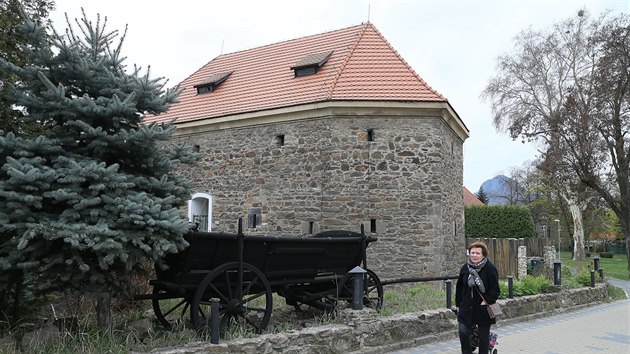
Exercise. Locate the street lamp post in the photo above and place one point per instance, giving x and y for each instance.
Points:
(558, 221)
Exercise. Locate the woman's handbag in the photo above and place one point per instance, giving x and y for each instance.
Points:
(494, 310)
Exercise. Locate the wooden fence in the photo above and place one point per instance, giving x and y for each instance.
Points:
(503, 252)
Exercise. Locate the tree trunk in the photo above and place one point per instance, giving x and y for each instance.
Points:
(625, 228)
(103, 313)
(18, 279)
(578, 233)
(578, 225)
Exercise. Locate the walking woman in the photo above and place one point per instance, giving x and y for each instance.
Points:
(477, 276)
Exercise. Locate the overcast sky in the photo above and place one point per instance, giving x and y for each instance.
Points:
(452, 45)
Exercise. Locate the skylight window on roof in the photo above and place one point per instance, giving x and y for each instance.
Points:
(311, 63)
(212, 82)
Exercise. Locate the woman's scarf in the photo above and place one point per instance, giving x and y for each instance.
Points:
(473, 276)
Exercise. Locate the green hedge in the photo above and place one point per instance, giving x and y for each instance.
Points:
(498, 221)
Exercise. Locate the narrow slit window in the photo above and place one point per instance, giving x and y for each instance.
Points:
(310, 227)
(254, 217)
(370, 135)
(373, 226)
(280, 140)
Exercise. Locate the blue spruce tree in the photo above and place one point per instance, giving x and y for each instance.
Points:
(85, 205)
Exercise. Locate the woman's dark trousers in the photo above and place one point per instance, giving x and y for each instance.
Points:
(464, 338)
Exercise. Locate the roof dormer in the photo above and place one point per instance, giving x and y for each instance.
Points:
(212, 82)
(311, 63)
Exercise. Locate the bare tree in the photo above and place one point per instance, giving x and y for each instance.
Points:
(568, 88)
(573, 192)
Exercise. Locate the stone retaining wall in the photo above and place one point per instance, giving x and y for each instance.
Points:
(366, 332)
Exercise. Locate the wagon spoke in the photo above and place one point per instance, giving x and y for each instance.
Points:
(203, 315)
(175, 308)
(186, 306)
(249, 286)
(254, 297)
(206, 314)
(221, 295)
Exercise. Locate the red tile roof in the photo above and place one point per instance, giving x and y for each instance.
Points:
(470, 198)
(363, 66)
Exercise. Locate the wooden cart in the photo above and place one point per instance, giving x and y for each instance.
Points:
(243, 272)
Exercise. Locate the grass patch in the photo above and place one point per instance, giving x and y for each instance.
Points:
(616, 293)
(412, 299)
(616, 267)
(117, 342)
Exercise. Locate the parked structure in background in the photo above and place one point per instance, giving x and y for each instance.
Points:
(330, 131)
(470, 198)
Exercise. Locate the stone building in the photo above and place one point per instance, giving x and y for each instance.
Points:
(330, 131)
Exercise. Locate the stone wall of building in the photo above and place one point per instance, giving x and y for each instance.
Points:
(399, 176)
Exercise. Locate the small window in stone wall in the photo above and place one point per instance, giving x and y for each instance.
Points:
(196, 148)
(370, 135)
(310, 227)
(454, 227)
(254, 217)
(373, 226)
(280, 140)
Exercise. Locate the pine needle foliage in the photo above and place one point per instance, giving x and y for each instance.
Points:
(86, 204)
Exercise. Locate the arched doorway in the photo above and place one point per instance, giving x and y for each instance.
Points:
(200, 211)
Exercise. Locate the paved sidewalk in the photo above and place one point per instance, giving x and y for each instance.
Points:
(599, 329)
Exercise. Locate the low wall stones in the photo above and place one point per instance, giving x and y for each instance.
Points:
(366, 332)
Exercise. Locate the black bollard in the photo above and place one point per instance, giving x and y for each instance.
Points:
(510, 286)
(596, 263)
(449, 293)
(592, 278)
(357, 287)
(557, 272)
(601, 273)
(214, 321)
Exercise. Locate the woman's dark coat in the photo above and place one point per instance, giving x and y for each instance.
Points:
(470, 308)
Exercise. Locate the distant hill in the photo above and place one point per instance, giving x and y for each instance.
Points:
(496, 187)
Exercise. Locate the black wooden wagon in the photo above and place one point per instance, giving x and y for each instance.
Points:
(243, 272)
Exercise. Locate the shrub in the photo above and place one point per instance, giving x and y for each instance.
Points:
(535, 285)
(606, 254)
(529, 285)
(498, 221)
(584, 278)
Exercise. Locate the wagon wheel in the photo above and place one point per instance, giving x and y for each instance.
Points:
(252, 309)
(169, 308)
(372, 290)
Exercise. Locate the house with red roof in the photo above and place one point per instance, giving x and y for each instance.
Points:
(470, 198)
(329, 131)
